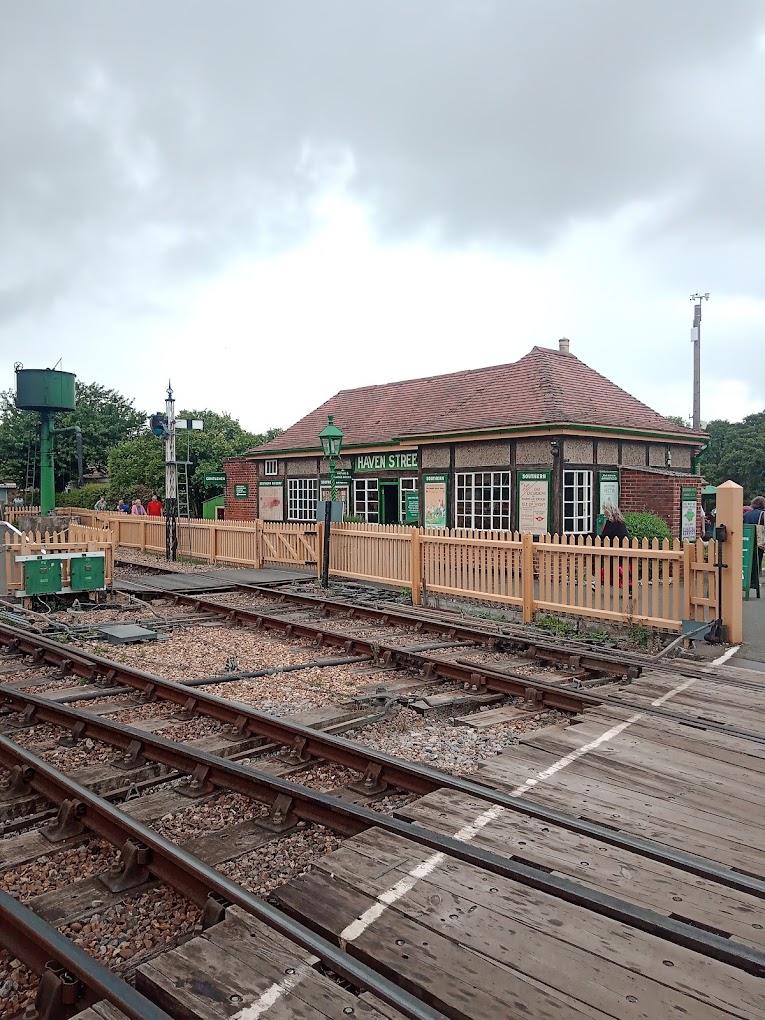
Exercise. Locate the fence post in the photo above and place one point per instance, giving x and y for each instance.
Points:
(688, 573)
(143, 533)
(416, 568)
(527, 576)
(258, 544)
(213, 542)
(730, 507)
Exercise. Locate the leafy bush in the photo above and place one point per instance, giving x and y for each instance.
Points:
(353, 519)
(645, 524)
(85, 497)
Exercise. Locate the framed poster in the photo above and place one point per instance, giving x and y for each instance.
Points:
(688, 512)
(435, 490)
(534, 502)
(608, 485)
(412, 504)
(271, 501)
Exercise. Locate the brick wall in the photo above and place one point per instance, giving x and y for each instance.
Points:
(643, 490)
(240, 471)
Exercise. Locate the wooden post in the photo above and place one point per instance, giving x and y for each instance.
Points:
(143, 533)
(527, 574)
(730, 506)
(258, 544)
(688, 578)
(319, 548)
(213, 542)
(416, 568)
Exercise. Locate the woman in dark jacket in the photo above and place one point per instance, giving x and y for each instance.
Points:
(756, 515)
(615, 527)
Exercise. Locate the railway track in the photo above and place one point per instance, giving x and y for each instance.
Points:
(264, 754)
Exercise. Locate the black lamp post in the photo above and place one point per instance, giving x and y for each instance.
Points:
(331, 441)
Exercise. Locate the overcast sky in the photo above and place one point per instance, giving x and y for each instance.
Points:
(271, 201)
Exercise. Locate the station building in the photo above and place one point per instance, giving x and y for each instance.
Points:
(536, 445)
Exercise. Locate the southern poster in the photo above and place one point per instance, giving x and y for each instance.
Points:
(271, 501)
(434, 487)
(534, 502)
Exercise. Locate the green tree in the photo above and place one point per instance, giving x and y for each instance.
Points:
(136, 467)
(737, 452)
(105, 417)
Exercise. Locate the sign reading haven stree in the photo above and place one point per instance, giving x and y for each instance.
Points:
(387, 461)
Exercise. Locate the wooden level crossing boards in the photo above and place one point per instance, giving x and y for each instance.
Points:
(478, 946)
(636, 784)
(227, 969)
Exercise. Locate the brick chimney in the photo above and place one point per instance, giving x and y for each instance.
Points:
(563, 345)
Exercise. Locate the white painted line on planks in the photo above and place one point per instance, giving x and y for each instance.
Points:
(272, 995)
(469, 832)
(726, 655)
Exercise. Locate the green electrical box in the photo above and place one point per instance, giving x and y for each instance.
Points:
(42, 576)
(86, 573)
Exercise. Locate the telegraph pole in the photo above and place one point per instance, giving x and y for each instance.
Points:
(171, 480)
(696, 341)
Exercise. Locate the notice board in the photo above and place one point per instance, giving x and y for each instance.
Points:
(534, 502)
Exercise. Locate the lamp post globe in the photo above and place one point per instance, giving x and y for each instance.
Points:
(331, 443)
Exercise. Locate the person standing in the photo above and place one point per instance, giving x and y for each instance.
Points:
(154, 507)
(100, 504)
(615, 528)
(123, 507)
(139, 510)
(756, 515)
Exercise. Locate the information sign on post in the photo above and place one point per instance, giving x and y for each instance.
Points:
(688, 511)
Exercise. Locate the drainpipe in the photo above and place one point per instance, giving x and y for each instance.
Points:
(697, 457)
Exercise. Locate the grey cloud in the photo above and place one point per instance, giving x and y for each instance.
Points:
(182, 126)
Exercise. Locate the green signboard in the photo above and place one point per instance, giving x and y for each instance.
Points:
(242, 491)
(412, 504)
(750, 573)
(215, 479)
(387, 461)
(608, 486)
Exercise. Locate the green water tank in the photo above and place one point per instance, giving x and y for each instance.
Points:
(43, 389)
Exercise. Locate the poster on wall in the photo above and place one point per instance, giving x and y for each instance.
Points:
(435, 488)
(688, 511)
(609, 489)
(271, 501)
(412, 506)
(534, 502)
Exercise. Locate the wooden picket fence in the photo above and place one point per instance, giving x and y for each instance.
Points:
(649, 583)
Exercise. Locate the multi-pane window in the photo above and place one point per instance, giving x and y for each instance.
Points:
(406, 485)
(302, 494)
(366, 499)
(577, 502)
(272, 467)
(483, 500)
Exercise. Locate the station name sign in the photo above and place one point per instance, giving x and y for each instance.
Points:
(387, 462)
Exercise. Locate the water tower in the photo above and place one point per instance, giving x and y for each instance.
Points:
(46, 391)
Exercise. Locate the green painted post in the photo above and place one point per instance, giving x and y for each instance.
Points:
(47, 483)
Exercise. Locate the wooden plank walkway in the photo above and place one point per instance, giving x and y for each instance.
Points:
(477, 946)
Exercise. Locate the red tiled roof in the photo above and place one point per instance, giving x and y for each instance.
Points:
(544, 387)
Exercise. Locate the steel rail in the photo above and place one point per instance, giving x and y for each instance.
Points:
(614, 665)
(69, 975)
(197, 880)
(477, 676)
(381, 768)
